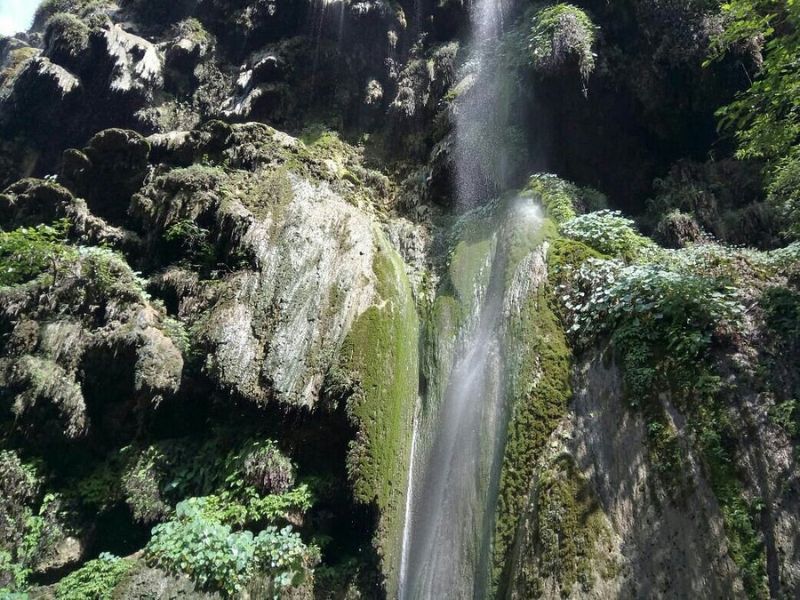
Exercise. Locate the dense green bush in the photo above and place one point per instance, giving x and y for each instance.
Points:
(608, 232)
(95, 580)
(685, 307)
(216, 556)
(28, 252)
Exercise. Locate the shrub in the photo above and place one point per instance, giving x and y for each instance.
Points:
(66, 37)
(608, 232)
(28, 252)
(678, 229)
(684, 306)
(215, 556)
(95, 580)
(193, 241)
(784, 194)
(85, 9)
(561, 33)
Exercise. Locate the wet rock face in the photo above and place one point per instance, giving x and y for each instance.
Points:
(664, 550)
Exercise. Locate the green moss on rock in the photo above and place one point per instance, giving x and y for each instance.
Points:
(540, 391)
(566, 535)
(380, 356)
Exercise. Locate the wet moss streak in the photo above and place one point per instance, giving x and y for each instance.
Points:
(380, 354)
(539, 364)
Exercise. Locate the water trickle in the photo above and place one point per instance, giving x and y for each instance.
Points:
(453, 484)
(477, 116)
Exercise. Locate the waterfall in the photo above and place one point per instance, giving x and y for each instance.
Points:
(476, 113)
(453, 486)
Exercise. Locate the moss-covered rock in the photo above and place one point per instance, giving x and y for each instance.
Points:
(559, 34)
(379, 359)
(66, 40)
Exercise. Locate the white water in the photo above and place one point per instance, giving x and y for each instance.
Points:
(451, 501)
(478, 141)
(409, 495)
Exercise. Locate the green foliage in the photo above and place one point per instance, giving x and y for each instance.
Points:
(786, 416)
(784, 195)
(766, 117)
(13, 576)
(95, 580)
(560, 33)
(782, 312)
(25, 531)
(607, 232)
(683, 308)
(100, 489)
(246, 505)
(216, 556)
(563, 200)
(250, 483)
(193, 240)
(29, 252)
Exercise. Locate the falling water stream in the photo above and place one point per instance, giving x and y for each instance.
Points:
(453, 483)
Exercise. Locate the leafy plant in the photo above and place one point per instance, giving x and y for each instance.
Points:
(28, 252)
(765, 117)
(563, 200)
(95, 580)
(193, 241)
(607, 231)
(214, 555)
(784, 194)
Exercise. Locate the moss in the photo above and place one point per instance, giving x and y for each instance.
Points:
(540, 391)
(563, 200)
(561, 33)
(66, 37)
(380, 355)
(16, 61)
(567, 535)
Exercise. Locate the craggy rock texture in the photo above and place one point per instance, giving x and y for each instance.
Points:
(232, 224)
(666, 548)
